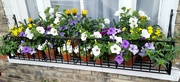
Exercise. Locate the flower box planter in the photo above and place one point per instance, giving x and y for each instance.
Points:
(50, 54)
(66, 57)
(85, 58)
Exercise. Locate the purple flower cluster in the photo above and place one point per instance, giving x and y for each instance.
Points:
(125, 44)
(27, 49)
(146, 46)
(22, 34)
(134, 49)
(119, 59)
(73, 22)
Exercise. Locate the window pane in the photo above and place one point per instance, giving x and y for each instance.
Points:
(32, 8)
(65, 4)
(101, 8)
(151, 8)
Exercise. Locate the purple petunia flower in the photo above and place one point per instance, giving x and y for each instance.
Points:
(134, 49)
(62, 34)
(75, 22)
(26, 49)
(71, 22)
(104, 31)
(118, 31)
(32, 51)
(22, 42)
(149, 46)
(22, 34)
(48, 28)
(60, 28)
(78, 16)
(50, 45)
(111, 31)
(39, 24)
(143, 51)
(125, 44)
(119, 59)
(65, 27)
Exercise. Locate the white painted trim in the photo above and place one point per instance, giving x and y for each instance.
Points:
(164, 15)
(42, 5)
(175, 74)
(82, 5)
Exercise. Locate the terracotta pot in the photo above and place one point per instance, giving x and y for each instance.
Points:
(39, 54)
(130, 62)
(99, 61)
(28, 55)
(18, 54)
(84, 59)
(50, 54)
(66, 57)
(145, 58)
(159, 67)
(111, 57)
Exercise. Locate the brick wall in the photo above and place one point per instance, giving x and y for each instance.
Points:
(31, 73)
(3, 20)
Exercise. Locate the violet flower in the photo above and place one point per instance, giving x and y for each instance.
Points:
(104, 31)
(26, 49)
(75, 22)
(39, 24)
(118, 31)
(71, 22)
(60, 28)
(134, 49)
(48, 28)
(50, 45)
(125, 44)
(149, 46)
(119, 59)
(78, 16)
(143, 51)
(65, 27)
(111, 31)
(62, 34)
(22, 34)
(32, 51)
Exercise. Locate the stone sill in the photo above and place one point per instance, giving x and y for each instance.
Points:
(175, 73)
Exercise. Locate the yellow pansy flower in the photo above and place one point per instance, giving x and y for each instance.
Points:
(140, 29)
(124, 28)
(20, 29)
(30, 25)
(68, 12)
(30, 19)
(158, 32)
(34, 24)
(153, 37)
(9, 29)
(74, 11)
(15, 32)
(150, 30)
(84, 12)
(68, 42)
(131, 31)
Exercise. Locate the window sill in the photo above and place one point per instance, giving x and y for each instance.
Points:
(175, 73)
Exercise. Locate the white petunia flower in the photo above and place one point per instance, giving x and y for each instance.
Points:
(96, 50)
(145, 33)
(87, 48)
(97, 34)
(59, 49)
(83, 36)
(132, 25)
(53, 31)
(106, 21)
(117, 13)
(141, 13)
(118, 39)
(51, 10)
(115, 49)
(133, 20)
(29, 34)
(58, 14)
(76, 49)
(40, 29)
(56, 20)
(67, 48)
(19, 49)
(40, 47)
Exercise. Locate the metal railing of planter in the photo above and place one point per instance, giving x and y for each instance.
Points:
(75, 59)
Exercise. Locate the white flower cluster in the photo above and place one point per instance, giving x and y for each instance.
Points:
(28, 34)
(53, 31)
